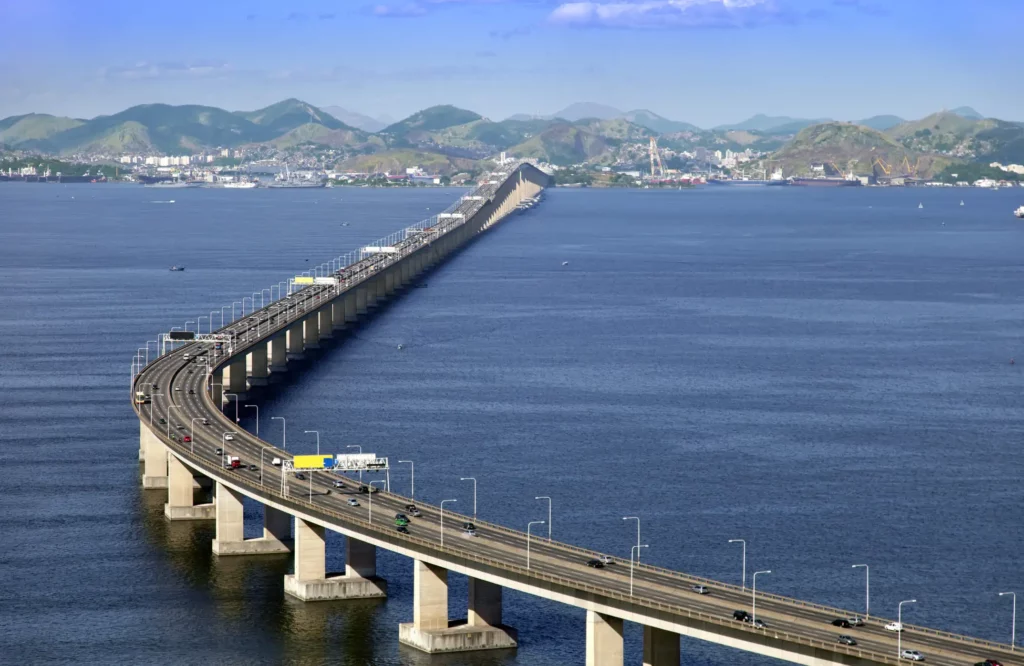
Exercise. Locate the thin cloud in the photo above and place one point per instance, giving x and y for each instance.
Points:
(327, 17)
(667, 13)
(145, 70)
(863, 6)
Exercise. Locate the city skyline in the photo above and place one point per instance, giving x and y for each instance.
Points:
(708, 62)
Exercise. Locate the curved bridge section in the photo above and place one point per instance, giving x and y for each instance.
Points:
(185, 436)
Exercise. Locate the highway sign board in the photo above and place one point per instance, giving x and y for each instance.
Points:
(312, 462)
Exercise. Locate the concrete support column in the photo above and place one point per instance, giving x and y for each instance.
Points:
(257, 362)
(277, 526)
(389, 281)
(279, 352)
(484, 603)
(429, 596)
(217, 389)
(154, 467)
(310, 581)
(180, 488)
(360, 559)
(326, 316)
(236, 376)
(361, 300)
(350, 308)
(231, 539)
(661, 648)
(338, 313)
(295, 342)
(311, 331)
(604, 640)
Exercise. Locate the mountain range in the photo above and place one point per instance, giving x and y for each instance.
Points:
(450, 138)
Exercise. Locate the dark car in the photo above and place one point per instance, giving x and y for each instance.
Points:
(741, 615)
(414, 512)
(253, 468)
(468, 526)
(847, 640)
(988, 662)
(219, 451)
(191, 391)
(403, 529)
(300, 476)
(364, 489)
(410, 507)
(162, 420)
(593, 564)
(841, 622)
(401, 516)
(760, 624)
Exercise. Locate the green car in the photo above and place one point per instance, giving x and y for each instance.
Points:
(401, 522)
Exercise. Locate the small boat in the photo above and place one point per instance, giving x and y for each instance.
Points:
(920, 205)
(565, 263)
(1019, 212)
(177, 269)
(961, 202)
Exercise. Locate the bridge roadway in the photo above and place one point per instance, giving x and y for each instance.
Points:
(662, 599)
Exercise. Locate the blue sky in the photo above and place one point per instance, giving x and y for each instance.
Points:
(703, 61)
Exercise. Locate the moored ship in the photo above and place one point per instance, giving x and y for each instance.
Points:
(827, 181)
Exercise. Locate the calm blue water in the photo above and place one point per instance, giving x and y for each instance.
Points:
(823, 373)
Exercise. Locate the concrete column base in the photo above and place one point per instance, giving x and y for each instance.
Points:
(142, 455)
(197, 512)
(458, 637)
(251, 547)
(312, 345)
(296, 357)
(154, 482)
(333, 588)
(279, 368)
(259, 381)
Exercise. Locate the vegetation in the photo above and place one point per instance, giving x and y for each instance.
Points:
(55, 166)
(970, 172)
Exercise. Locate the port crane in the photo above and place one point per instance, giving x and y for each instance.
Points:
(911, 170)
(886, 168)
(656, 160)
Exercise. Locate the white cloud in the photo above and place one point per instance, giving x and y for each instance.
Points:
(665, 13)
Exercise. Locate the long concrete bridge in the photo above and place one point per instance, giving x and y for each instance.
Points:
(190, 386)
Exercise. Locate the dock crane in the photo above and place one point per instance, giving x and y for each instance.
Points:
(911, 170)
(886, 168)
(656, 160)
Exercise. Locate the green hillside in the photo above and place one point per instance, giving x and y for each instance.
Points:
(290, 114)
(396, 161)
(422, 122)
(563, 144)
(962, 137)
(320, 135)
(17, 130)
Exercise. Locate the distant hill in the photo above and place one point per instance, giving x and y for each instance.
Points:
(881, 123)
(290, 114)
(850, 147)
(428, 120)
(581, 110)
(17, 130)
(320, 135)
(965, 138)
(967, 112)
(564, 144)
(396, 160)
(659, 124)
(763, 123)
(357, 120)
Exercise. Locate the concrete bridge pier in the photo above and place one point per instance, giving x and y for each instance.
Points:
(311, 331)
(389, 282)
(154, 465)
(295, 343)
(217, 387)
(350, 308)
(338, 314)
(432, 632)
(661, 648)
(310, 581)
(326, 316)
(236, 378)
(278, 353)
(230, 539)
(180, 494)
(361, 300)
(604, 640)
(256, 360)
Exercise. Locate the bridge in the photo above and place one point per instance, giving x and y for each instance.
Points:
(185, 436)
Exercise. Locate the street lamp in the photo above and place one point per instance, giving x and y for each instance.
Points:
(412, 474)
(224, 444)
(549, 513)
(470, 478)
(634, 549)
(371, 498)
(317, 433)
(637, 519)
(753, 596)
(235, 396)
(442, 519)
(284, 431)
(1013, 622)
(223, 308)
(744, 579)
(191, 321)
(233, 304)
(257, 408)
(528, 526)
(199, 324)
(867, 589)
(899, 621)
(193, 424)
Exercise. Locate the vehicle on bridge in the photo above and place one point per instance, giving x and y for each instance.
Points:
(894, 626)
(141, 398)
(912, 655)
(700, 589)
(841, 622)
(847, 640)
(741, 615)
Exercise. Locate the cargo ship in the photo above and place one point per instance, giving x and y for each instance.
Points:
(827, 181)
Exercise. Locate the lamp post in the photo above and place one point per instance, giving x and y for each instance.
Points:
(213, 312)
(224, 445)
(235, 396)
(193, 424)
(470, 478)
(284, 431)
(191, 321)
(528, 526)
(412, 474)
(743, 585)
(371, 498)
(867, 589)
(545, 497)
(222, 315)
(317, 433)
(199, 323)
(637, 519)
(257, 408)
(899, 621)
(262, 451)
(753, 596)
(1013, 622)
(634, 549)
(442, 519)
(233, 304)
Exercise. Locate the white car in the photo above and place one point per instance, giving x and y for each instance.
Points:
(276, 462)
(469, 533)
(894, 626)
(339, 484)
(912, 655)
(229, 437)
(855, 621)
(352, 501)
(605, 560)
